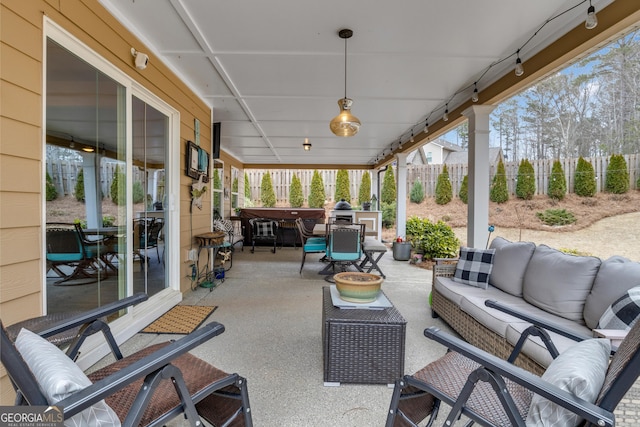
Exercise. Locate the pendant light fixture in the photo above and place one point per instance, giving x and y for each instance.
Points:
(592, 20)
(306, 145)
(345, 123)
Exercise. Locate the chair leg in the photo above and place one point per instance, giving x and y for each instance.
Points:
(304, 254)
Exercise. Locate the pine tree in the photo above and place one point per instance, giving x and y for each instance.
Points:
(557, 182)
(52, 192)
(78, 190)
(617, 181)
(585, 181)
(117, 190)
(342, 186)
(417, 192)
(364, 195)
(388, 187)
(444, 192)
(464, 190)
(267, 194)
(247, 188)
(296, 198)
(317, 196)
(499, 192)
(526, 184)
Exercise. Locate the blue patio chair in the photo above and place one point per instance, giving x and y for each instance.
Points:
(65, 248)
(344, 248)
(310, 243)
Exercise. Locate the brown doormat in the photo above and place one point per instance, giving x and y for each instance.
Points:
(181, 319)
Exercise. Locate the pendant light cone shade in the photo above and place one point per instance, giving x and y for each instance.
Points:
(345, 123)
(306, 145)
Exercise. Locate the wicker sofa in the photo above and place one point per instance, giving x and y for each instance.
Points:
(570, 291)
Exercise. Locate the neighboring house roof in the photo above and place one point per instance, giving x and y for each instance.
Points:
(462, 157)
(446, 145)
(419, 155)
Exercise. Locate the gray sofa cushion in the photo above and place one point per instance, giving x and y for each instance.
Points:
(559, 283)
(616, 276)
(509, 264)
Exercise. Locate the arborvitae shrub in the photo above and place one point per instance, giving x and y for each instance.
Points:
(526, 185)
(388, 214)
(247, 188)
(364, 195)
(557, 182)
(117, 190)
(342, 186)
(499, 192)
(296, 198)
(388, 187)
(267, 194)
(417, 192)
(52, 193)
(78, 190)
(585, 181)
(444, 192)
(317, 195)
(617, 181)
(464, 190)
(137, 192)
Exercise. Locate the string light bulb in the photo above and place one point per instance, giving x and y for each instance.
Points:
(592, 20)
(475, 97)
(411, 140)
(519, 68)
(445, 116)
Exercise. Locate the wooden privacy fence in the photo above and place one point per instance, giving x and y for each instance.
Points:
(428, 176)
(64, 174)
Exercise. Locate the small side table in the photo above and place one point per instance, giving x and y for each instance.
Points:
(209, 277)
(361, 346)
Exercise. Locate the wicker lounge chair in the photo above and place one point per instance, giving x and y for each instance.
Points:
(494, 392)
(149, 387)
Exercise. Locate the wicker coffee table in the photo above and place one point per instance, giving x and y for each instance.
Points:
(361, 346)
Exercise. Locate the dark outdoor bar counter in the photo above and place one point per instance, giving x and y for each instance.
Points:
(285, 216)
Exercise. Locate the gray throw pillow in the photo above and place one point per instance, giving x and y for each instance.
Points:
(623, 313)
(509, 264)
(615, 276)
(579, 370)
(59, 377)
(559, 283)
(474, 267)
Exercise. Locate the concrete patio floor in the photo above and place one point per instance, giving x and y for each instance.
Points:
(273, 337)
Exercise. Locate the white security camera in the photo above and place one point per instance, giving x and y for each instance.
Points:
(141, 59)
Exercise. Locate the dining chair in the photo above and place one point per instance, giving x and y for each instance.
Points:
(65, 248)
(151, 238)
(310, 243)
(344, 248)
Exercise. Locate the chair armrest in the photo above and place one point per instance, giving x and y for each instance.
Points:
(92, 315)
(137, 370)
(590, 412)
(537, 321)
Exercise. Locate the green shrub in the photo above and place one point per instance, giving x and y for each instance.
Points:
(247, 189)
(417, 192)
(617, 181)
(296, 198)
(464, 190)
(317, 195)
(342, 186)
(108, 221)
(117, 190)
(51, 192)
(388, 187)
(585, 181)
(557, 182)
(638, 183)
(267, 193)
(499, 192)
(444, 192)
(364, 195)
(388, 214)
(138, 192)
(556, 217)
(78, 190)
(526, 184)
(433, 240)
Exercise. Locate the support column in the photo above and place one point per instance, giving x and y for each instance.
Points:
(401, 194)
(92, 192)
(375, 189)
(478, 207)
